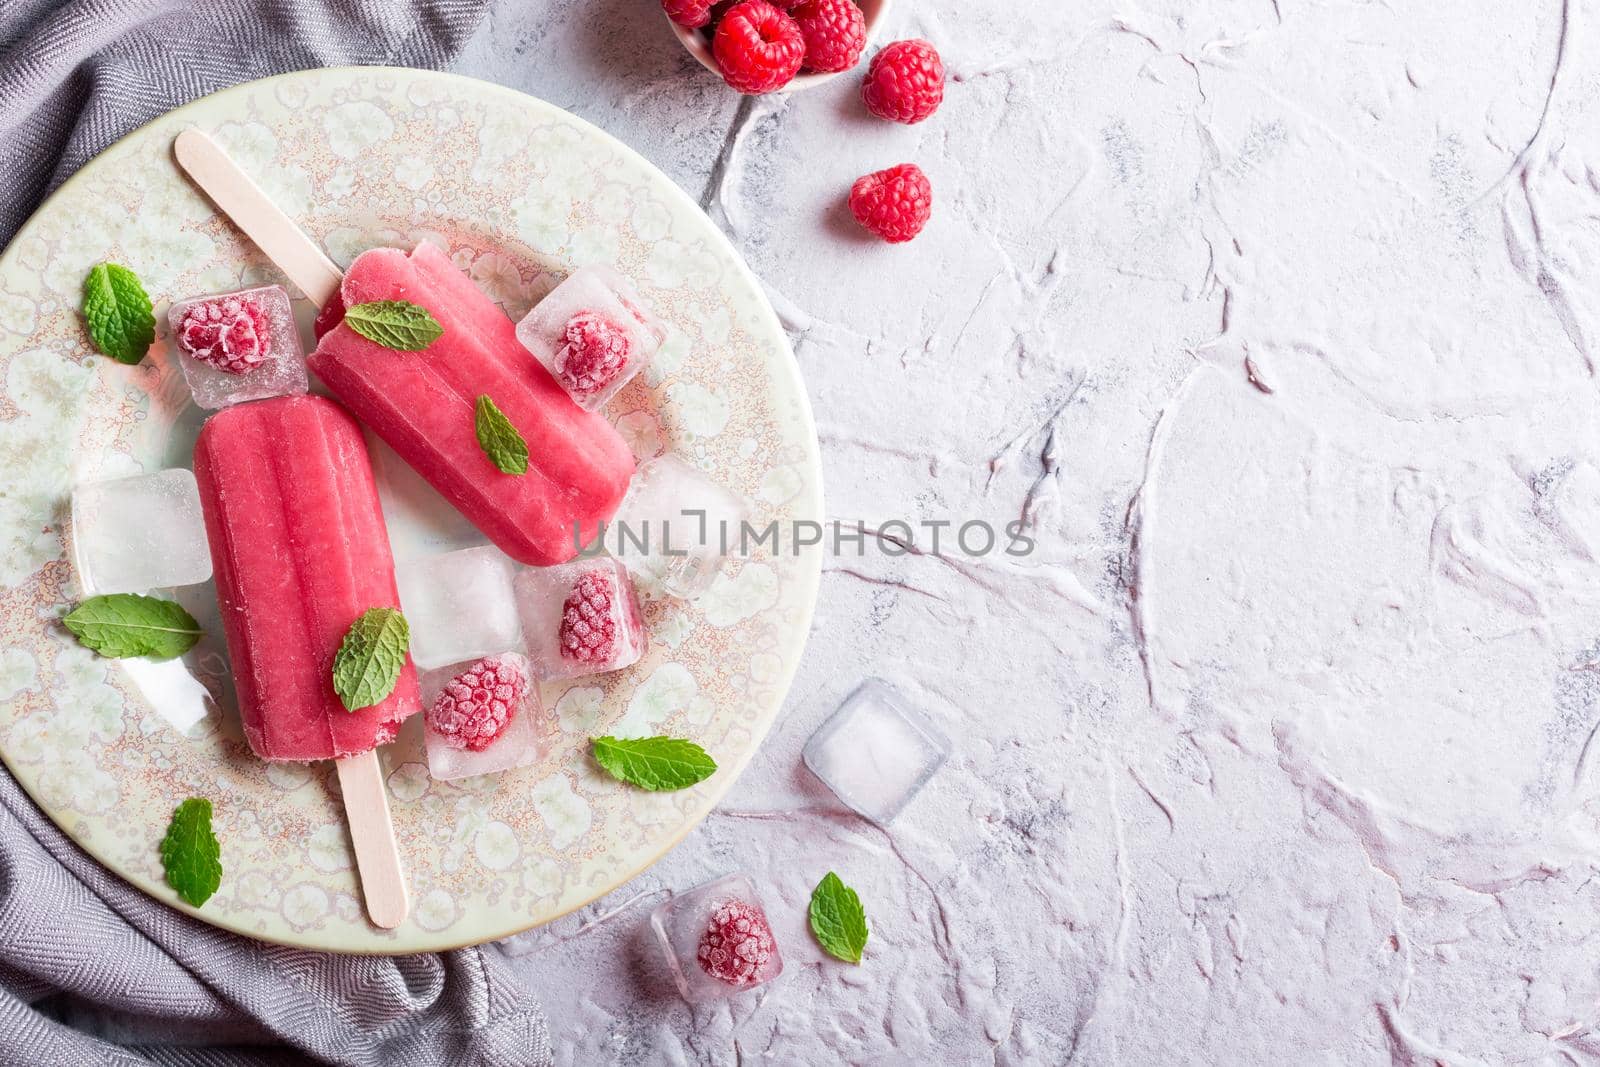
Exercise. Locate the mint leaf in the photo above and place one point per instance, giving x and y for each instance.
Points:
(370, 657)
(838, 919)
(121, 319)
(397, 324)
(127, 624)
(659, 764)
(190, 852)
(499, 439)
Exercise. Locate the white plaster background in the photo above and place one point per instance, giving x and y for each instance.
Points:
(1278, 320)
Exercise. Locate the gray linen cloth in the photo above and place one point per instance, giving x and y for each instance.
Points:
(82, 952)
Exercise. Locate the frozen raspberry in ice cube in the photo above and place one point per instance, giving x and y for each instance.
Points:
(716, 939)
(477, 705)
(230, 333)
(579, 618)
(737, 944)
(595, 353)
(593, 333)
(238, 346)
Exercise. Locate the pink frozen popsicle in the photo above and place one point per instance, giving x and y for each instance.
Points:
(423, 404)
(299, 549)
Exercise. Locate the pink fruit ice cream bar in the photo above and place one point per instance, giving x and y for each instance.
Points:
(299, 552)
(423, 405)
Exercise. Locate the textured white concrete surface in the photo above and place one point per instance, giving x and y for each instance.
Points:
(1277, 320)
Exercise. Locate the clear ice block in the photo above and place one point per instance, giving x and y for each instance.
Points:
(876, 752)
(676, 526)
(238, 346)
(132, 535)
(717, 939)
(579, 618)
(517, 746)
(592, 333)
(459, 605)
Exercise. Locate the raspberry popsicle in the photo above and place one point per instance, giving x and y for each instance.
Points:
(423, 404)
(300, 552)
(299, 549)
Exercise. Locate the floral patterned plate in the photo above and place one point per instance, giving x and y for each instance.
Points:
(520, 193)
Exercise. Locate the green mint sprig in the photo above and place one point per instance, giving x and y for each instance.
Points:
(838, 919)
(500, 440)
(191, 853)
(119, 314)
(397, 324)
(120, 625)
(659, 764)
(370, 657)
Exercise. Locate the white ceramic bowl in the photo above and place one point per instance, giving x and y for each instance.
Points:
(875, 11)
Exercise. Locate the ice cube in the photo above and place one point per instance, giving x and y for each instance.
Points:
(459, 605)
(676, 526)
(592, 333)
(717, 939)
(518, 745)
(579, 618)
(876, 751)
(238, 346)
(132, 535)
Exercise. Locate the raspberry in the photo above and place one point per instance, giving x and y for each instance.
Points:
(588, 625)
(737, 943)
(690, 14)
(894, 203)
(596, 351)
(905, 82)
(835, 33)
(758, 47)
(477, 705)
(229, 333)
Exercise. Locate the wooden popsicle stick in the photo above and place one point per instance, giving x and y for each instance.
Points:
(366, 809)
(241, 199)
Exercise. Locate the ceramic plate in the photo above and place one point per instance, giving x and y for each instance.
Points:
(520, 193)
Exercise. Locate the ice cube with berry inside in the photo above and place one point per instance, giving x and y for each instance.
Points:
(592, 333)
(132, 535)
(459, 605)
(238, 346)
(717, 939)
(579, 618)
(481, 717)
(676, 526)
(877, 751)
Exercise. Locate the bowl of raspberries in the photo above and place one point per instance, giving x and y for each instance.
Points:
(769, 46)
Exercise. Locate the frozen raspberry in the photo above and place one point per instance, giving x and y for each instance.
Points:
(905, 82)
(758, 47)
(737, 943)
(596, 351)
(231, 334)
(477, 705)
(835, 33)
(894, 203)
(690, 14)
(588, 625)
